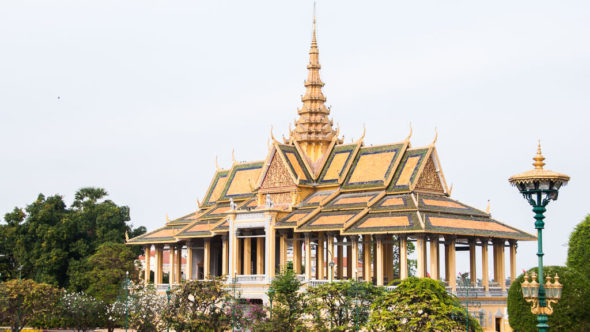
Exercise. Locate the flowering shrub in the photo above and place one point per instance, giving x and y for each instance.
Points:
(144, 309)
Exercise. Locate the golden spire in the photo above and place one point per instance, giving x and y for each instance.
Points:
(539, 158)
(313, 129)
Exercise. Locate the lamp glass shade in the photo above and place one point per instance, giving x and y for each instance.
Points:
(558, 289)
(525, 285)
(534, 289)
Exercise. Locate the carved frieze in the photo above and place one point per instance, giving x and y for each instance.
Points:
(429, 179)
(277, 175)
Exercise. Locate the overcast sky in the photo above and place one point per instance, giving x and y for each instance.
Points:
(138, 97)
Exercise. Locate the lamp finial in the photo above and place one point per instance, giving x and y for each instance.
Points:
(539, 158)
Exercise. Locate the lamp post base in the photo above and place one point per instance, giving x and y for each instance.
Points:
(542, 323)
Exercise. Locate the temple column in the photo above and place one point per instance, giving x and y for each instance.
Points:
(178, 272)
(367, 257)
(206, 258)
(340, 262)
(349, 263)
(512, 261)
(225, 255)
(269, 253)
(422, 258)
(502, 267)
(147, 255)
(388, 257)
(330, 257)
(354, 258)
(158, 275)
(320, 257)
(447, 271)
(434, 258)
(171, 261)
(452, 264)
(189, 263)
(296, 254)
(379, 254)
(485, 281)
(247, 255)
(283, 250)
(260, 255)
(374, 247)
(403, 257)
(472, 263)
(307, 256)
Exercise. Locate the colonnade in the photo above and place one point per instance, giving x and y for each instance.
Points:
(330, 255)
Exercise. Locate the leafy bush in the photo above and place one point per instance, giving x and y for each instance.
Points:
(419, 304)
(145, 308)
(343, 304)
(199, 306)
(570, 313)
(578, 254)
(288, 302)
(23, 301)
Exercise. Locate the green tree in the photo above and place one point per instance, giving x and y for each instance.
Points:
(199, 306)
(22, 301)
(570, 313)
(578, 254)
(110, 263)
(52, 242)
(288, 303)
(419, 304)
(341, 303)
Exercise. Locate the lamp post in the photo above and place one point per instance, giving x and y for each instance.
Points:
(20, 269)
(233, 312)
(168, 304)
(126, 296)
(357, 301)
(271, 296)
(539, 186)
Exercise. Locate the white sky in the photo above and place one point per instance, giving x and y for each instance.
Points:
(151, 91)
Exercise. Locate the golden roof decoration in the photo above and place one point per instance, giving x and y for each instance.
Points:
(538, 173)
(313, 129)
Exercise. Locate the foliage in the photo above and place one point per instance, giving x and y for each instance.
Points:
(199, 306)
(288, 301)
(570, 313)
(343, 304)
(578, 254)
(52, 242)
(145, 308)
(419, 304)
(110, 264)
(22, 301)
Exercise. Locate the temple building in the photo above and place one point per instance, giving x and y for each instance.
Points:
(337, 211)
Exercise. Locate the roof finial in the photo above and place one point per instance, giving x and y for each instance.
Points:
(167, 219)
(410, 134)
(539, 158)
(313, 38)
(233, 156)
(217, 164)
(488, 207)
(435, 136)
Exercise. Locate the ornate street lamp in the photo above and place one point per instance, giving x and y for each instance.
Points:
(539, 186)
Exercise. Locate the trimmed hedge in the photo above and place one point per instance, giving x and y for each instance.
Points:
(571, 313)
